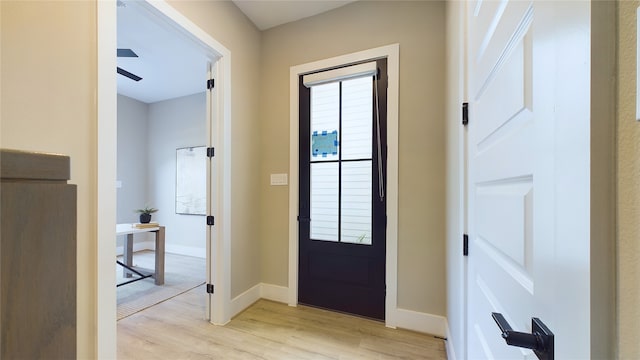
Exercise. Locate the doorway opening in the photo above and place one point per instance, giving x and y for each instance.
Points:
(162, 140)
(218, 133)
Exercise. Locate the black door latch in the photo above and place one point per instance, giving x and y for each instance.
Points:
(540, 340)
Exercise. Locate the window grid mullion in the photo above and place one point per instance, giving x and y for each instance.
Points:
(340, 162)
(343, 161)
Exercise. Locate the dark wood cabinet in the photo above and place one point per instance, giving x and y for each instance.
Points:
(37, 257)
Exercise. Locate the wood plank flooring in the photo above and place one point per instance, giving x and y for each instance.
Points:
(182, 273)
(175, 329)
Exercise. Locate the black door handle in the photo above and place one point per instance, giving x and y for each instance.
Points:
(540, 340)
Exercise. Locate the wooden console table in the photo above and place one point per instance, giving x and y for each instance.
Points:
(129, 230)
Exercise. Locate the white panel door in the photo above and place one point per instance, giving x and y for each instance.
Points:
(513, 182)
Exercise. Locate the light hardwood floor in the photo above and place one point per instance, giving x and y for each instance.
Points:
(175, 329)
(181, 274)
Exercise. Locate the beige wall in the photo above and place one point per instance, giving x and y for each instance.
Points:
(602, 179)
(225, 23)
(628, 186)
(419, 29)
(48, 104)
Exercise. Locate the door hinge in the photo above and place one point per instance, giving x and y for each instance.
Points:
(465, 244)
(210, 84)
(211, 152)
(465, 113)
(210, 220)
(209, 288)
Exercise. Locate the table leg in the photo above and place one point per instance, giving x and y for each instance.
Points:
(159, 270)
(127, 255)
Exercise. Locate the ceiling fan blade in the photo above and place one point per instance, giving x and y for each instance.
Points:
(131, 76)
(126, 53)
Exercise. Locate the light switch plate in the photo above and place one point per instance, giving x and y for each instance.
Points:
(278, 179)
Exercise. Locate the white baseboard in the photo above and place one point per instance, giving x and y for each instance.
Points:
(274, 293)
(186, 250)
(244, 300)
(449, 347)
(257, 292)
(421, 322)
(137, 246)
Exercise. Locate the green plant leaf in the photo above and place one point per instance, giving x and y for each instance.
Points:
(146, 210)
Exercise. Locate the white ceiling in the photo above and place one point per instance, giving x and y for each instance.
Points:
(170, 64)
(266, 14)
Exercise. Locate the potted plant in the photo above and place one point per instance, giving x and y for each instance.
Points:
(145, 214)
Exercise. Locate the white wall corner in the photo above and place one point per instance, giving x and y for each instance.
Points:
(449, 345)
(274, 293)
(244, 300)
(421, 322)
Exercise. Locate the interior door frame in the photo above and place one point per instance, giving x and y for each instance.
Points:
(456, 343)
(597, 150)
(220, 134)
(391, 52)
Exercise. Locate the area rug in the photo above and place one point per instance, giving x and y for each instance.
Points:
(137, 296)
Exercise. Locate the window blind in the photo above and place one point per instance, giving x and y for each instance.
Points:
(340, 74)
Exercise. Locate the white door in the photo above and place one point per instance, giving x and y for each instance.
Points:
(527, 64)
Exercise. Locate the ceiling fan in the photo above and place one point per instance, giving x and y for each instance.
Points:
(127, 53)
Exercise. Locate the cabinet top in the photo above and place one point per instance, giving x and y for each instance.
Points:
(16, 164)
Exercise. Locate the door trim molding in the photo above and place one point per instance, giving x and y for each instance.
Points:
(105, 304)
(392, 53)
(106, 15)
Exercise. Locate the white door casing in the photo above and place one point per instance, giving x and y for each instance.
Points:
(528, 174)
(219, 251)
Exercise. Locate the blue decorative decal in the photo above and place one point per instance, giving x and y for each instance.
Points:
(325, 143)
